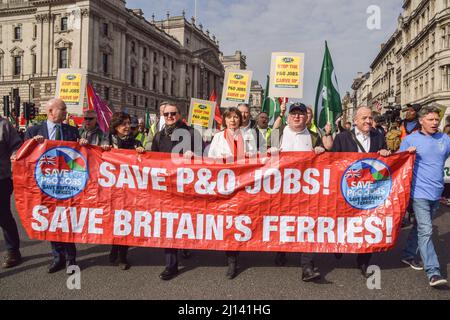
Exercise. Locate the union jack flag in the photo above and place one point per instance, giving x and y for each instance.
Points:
(46, 160)
(353, 173)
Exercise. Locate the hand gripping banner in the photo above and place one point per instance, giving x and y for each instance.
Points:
(293, 202)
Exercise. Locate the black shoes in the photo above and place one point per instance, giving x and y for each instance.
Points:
(113, 255)
(414, 264)
(437, 281)
(310, 274)
(280, 259)
(56, 266)
(124, 265)
(168, 274)
(12, 259)
(232, 271)
(363, 269)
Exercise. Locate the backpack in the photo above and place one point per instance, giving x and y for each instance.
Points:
(393, 140)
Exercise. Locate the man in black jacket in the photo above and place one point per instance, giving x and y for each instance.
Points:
(176, 137)
(64, 254)
(363, 139)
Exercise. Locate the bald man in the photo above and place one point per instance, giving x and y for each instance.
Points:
(64, 254)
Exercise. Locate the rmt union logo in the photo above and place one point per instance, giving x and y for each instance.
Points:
(62, 173)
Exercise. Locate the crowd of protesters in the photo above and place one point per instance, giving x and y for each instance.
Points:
(293, 130)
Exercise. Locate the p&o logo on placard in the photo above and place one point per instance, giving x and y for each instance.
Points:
(62, 173)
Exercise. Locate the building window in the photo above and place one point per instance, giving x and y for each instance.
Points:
(164, 85)
(105, 29)
(133, 47)
(64, 26)
(17, 66)
(133, 76)
(135, 100)
(35, 31)
(173, 65)
(146, 102)
(63, 58)
(432, 80)
(172, 87)
(144, 79)
(107, 93)
(164, 61)
(155, 81)
(144, 53)
(155, 57)
(17, 33)
(33, 61)
(105, 63)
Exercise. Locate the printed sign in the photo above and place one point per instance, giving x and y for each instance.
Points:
(201, 113)
(71, 87)
(236, 89)
(297, 202)
(287, 74)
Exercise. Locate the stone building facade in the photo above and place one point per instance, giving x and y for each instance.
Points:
(416, 58)
(134, 64)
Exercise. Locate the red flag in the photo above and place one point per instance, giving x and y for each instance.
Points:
(104, 113)
(218, 116)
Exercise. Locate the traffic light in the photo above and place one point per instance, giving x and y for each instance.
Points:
(17, 110)
(32, 112)
(6, 106)
(26, 111)
(16, 104)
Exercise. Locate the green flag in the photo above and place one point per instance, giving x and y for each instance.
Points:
(147, 119)
(328, 100)
(270, 105)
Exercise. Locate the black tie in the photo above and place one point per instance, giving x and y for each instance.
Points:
(58, 132)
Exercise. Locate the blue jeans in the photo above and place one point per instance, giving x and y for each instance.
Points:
(420, 239)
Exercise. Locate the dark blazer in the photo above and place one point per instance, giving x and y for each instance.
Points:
(69, 133)
(344, 142)
(163, 141)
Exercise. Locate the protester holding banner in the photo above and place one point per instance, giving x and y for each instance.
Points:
(155, 127)
(176, 137)
(90, 132)
(411, 123)
(297, 137)
(433, 149)
(229, 145)
(120, 137)
(64, 254)
(10, 142)
(327, 137)
(362, 139)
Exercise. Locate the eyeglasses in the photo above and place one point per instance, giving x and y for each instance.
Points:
(295, 114)
(172, 114)
(89, 119)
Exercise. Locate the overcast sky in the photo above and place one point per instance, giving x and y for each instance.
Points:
(259, 27)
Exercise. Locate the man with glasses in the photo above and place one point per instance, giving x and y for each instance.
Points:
(90, 132)
(64, 254)
(175, 134)
(297, 137)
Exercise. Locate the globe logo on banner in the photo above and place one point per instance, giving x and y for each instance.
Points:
(366, 184)
(61, 173)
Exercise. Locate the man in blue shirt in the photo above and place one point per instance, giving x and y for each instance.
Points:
(432, 149)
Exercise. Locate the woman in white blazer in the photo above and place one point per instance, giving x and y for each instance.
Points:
(231, 145)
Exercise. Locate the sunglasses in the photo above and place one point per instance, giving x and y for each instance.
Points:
(172, 114)
(89, 119)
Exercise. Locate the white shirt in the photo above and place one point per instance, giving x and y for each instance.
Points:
(296, 141)
(162, 122)
(51, 128)
(363, 139)
(219, 147)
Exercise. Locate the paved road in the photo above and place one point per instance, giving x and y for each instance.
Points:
(203, 276)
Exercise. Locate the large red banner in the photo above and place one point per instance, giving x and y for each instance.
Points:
(293, 202)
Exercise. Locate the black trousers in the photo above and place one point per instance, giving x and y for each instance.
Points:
(122, 251)
(306, 259)
(363, 259)
(7, 222)
(171, 256)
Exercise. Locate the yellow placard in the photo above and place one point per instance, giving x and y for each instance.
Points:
(70, 88)
(237, 87)
(202, 113)
(287, 74)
